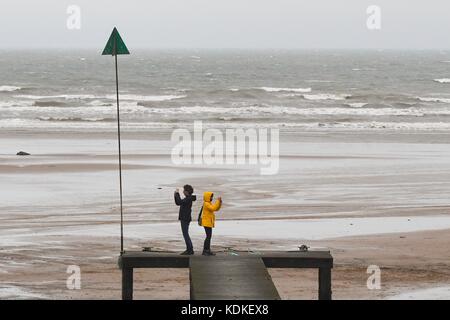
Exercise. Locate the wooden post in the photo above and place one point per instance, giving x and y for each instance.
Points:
(127, 283)
(114, 47)
(324, 283)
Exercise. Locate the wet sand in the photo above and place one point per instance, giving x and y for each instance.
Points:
(59, 208)
(407, 262)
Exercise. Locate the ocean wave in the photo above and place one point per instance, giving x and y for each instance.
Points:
(364, 69)
(76, 119)
(226, 118)
(357, 104)
(100, 103)
(15, 104)
(298, 90)
(373, 97)
(319, 81)
(61, 96)
(102, 126)
(48, 104)
(139, 109)
(280, 110)
(93, 126)
(127, 97)
(319, 97)
(9, 88)
(434, 99)
(445, 80)
(326, 96)
(86, 111)
(156, 98)
(395, 126)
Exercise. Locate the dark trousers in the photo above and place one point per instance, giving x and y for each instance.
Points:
(187, 239)
(207, 243)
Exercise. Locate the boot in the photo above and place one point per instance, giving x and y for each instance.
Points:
(208, 253)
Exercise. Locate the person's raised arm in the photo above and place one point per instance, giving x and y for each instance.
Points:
(177, 197)
(217, 205)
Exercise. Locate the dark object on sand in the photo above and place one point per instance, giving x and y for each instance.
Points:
(147, 249)
(22, 153)
(303, 248)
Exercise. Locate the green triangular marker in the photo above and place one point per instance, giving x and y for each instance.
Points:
(115, 45)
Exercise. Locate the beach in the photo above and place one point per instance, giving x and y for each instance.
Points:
(363, 167)
(375, 197)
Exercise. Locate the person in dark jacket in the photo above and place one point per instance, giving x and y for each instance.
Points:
(185, 216)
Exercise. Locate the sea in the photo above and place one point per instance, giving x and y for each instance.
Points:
(317, 90)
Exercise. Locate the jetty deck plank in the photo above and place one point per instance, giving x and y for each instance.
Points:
(230, 278)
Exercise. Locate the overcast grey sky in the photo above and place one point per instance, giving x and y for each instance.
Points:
(406, 24)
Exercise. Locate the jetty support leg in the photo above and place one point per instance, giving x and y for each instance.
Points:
(127, 283)
(324, 283)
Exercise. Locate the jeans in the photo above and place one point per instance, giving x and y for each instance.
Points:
(207, 243)
(187, 239)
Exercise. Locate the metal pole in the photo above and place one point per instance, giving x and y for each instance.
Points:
(120, 156)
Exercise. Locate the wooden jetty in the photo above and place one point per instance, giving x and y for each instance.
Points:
(230, 275)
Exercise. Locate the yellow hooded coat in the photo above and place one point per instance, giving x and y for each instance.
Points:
(208, 216)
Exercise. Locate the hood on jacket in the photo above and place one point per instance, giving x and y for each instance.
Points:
(207, 196)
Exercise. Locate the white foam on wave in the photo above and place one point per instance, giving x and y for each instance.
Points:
(155, 98)
(434, 99)
(15, 104)
(92, 126)
(9, 88)
(98, 108)
(73, 119)
(326, 96)
(374, 125)
(444, 80)
(364, 69)
(106, 110)
(130, 97)
(100, 103)
(61, 96)
(298, 90)
(357, 104)
(281, 110)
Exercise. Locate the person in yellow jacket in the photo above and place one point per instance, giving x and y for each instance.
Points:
(208, 219)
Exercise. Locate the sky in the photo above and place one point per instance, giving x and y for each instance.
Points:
(252, 24)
